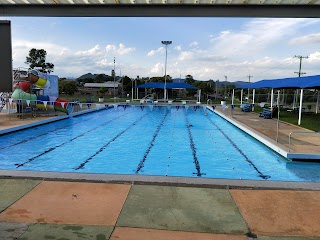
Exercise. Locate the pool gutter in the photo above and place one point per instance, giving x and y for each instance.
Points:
(50, 120)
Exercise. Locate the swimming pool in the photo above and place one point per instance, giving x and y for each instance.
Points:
(152, 140)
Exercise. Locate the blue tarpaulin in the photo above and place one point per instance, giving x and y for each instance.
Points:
(168, 85)
(311, 82)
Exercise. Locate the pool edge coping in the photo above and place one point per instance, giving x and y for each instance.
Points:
(160, 180)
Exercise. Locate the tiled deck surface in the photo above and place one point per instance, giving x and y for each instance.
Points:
(71, 210)
(33, 209)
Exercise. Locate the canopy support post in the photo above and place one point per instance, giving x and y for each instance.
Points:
(132, 94)
(300, 107)
(278, 115)
(271, 98)
(317, 105)
(253, 96)
(241, 97)
(232, 99)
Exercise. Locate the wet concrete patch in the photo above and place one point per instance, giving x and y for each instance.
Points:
(66, 232)
(11, 231)
(13, 189)
(280, 212)
(123, 233)
(181, 208)
(69, 203)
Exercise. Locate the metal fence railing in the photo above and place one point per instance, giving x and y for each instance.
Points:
(309, 141)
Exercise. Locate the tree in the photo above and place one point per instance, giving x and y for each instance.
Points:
(67, 87)
(189, 79)
(37, 59)
(102, 91)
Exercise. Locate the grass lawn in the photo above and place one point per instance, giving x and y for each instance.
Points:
(308, 120)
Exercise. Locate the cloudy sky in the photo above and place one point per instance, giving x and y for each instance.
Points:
(206, 48)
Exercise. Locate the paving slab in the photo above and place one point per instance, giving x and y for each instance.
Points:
(11, 231)
(280, 212)
(183, 209)
(288, 238)
(69, 203)
(13, 189)
(43, 231)
(123, 233)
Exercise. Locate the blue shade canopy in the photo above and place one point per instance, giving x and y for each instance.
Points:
(292, 83)
(151, 85)
(168, 85)
(180, 85)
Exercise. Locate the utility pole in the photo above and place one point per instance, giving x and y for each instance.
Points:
(300, 58)
(299, 75)
(249, 76)
(216, 83)
(225, 86)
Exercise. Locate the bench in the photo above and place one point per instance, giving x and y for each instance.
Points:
(266, 113)
(246, 108)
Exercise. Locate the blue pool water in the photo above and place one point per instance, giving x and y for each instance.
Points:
(147, 141)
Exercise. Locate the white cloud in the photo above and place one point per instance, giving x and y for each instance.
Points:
(155, 52)
(194, 44)
(157, 69)
(178, 48)
(119, 50)
(308, 39)
(185, 56)
(90, 53)
(257, 35)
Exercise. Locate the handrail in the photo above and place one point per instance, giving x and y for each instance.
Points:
(289, 147)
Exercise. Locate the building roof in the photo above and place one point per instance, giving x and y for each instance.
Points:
(162, 8)
(99, 85)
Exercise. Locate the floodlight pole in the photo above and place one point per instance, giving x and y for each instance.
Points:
(114, 79)
(166, 43)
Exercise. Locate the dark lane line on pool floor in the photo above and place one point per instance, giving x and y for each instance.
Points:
(141, 164)
(193, 147)
(41, 135)
(60, 145)
(240, 151)
(81, 166)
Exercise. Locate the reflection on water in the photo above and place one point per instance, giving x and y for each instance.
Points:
(306, 171)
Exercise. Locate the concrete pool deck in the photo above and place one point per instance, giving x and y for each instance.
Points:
(41, 205)
(37, 210)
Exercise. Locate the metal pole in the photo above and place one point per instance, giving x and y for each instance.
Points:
(166, 43)
(253, 96)
(300, 107)
(317, 105)
(278, 116)
(114, 79)
(217, 82)
(241, 97)
(131, 90)
(165, 76)
(232, 99)
(271, 98)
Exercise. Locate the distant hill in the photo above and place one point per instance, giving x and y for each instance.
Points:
(91, 76)
(237, 83)
(220, 84)
(177, 80)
